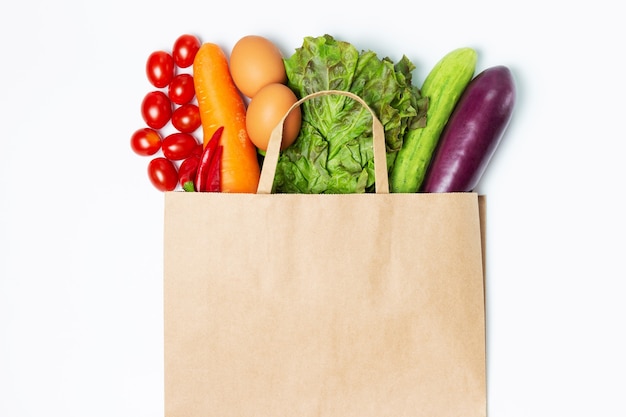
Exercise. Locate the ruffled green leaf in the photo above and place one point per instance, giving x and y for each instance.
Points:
(333, 152)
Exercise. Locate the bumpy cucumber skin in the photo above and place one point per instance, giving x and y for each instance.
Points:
(443, 87)
(473, 132)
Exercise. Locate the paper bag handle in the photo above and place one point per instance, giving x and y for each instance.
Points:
(273, 147)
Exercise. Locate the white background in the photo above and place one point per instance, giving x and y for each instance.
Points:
(81, 226)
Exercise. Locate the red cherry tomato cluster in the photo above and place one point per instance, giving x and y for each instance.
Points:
(171, 115)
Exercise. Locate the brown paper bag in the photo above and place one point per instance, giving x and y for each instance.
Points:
(323, 305)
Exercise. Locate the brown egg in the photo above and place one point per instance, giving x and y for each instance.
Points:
(266, 109)
(255, 62)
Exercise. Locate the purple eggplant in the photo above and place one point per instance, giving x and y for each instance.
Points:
(473, 132)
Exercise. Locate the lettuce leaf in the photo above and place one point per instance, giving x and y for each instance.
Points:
(333, 152)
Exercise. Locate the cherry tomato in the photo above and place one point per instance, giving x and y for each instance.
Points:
(156, 109)
(198, 150)
(145, 141)
(186, 118)
(181, 90)
(163, 174)
(177, 146)
(160, 68)
(184, 50)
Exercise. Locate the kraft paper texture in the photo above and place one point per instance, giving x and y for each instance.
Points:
(359, 305)
(324, 305)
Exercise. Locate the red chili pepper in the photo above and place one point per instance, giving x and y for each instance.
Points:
(208, 159)
(187, 172)
(215, 178)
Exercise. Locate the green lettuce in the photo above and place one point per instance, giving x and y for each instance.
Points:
(333, 152)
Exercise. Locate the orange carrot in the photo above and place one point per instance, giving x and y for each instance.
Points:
(221, 104)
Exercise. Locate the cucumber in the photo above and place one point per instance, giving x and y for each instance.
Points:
(443, 87)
